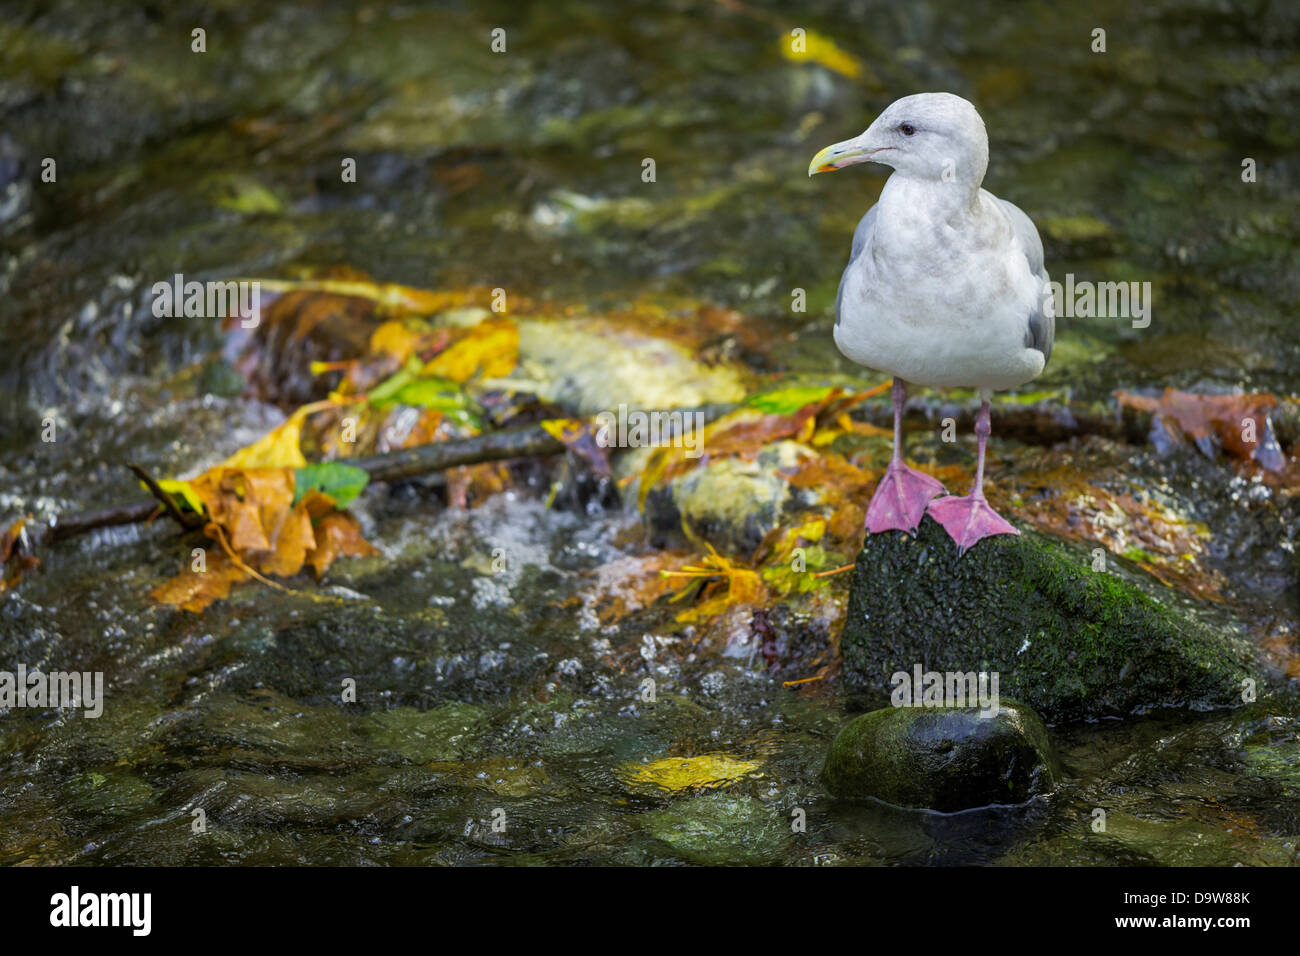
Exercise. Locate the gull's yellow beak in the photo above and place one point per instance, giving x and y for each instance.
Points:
(848, 153)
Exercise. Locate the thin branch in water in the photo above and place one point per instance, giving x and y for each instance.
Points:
(188, 522)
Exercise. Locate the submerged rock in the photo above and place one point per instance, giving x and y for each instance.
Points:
(719, 829)
(1072, 642)
(588, 366)
(446, 733)
(15, 190)
(730, 503)
(943, 759)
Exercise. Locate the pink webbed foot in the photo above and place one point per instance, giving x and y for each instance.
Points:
(968, 519)
(900, 499)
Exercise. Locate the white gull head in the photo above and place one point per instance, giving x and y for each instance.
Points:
(935, 137)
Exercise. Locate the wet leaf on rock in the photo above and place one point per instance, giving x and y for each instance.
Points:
(1239, 423)
(680, 774)
(194, 591)
(262, 528)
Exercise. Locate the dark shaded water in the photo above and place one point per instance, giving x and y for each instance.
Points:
(480, 694)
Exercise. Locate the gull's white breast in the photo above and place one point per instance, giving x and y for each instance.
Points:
(941, 300)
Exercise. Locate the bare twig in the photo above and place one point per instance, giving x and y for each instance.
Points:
(532, 442)
(188, 522)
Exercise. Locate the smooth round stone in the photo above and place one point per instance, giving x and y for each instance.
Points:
(944, 759)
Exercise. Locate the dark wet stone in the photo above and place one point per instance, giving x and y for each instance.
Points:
(1071, 642)
(15, 190)
(942, 759)
(219, 378)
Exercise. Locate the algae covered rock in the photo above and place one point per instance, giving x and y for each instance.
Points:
(445, 733)
(590, 366)
(943, 759)
(1072, 642)
(730, 503)
(719, 829)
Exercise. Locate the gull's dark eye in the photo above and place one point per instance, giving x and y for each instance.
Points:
(907, 129)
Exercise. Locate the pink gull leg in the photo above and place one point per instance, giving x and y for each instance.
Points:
(900, 498)
(971, 518)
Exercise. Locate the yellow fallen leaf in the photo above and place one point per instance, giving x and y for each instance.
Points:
(490, 350)
(391, 298)
(394, 338)
(676, 774)
(562, 429)
(742, 586)
(815, 48)
(176, 486)
(278, 448)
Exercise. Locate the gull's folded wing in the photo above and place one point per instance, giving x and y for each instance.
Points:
(861, 238)
(1042, 321)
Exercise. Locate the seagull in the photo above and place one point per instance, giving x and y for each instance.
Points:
(945, 288)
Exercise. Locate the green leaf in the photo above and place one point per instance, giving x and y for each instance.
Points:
(787, 401)
(383, 392)
(341, 482)
(441, 394)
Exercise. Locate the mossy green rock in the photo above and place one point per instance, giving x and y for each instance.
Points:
(943, 759)
(718, 829)
(1071, 642)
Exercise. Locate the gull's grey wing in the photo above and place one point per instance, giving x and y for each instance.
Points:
(861, 237)
(1042, 322)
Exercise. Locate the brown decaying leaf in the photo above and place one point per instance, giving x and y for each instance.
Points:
(467, 485)
(294, 330)
(1232, 419)
(194, 591)
(626, 585)
(251, 513)
(11, 554)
